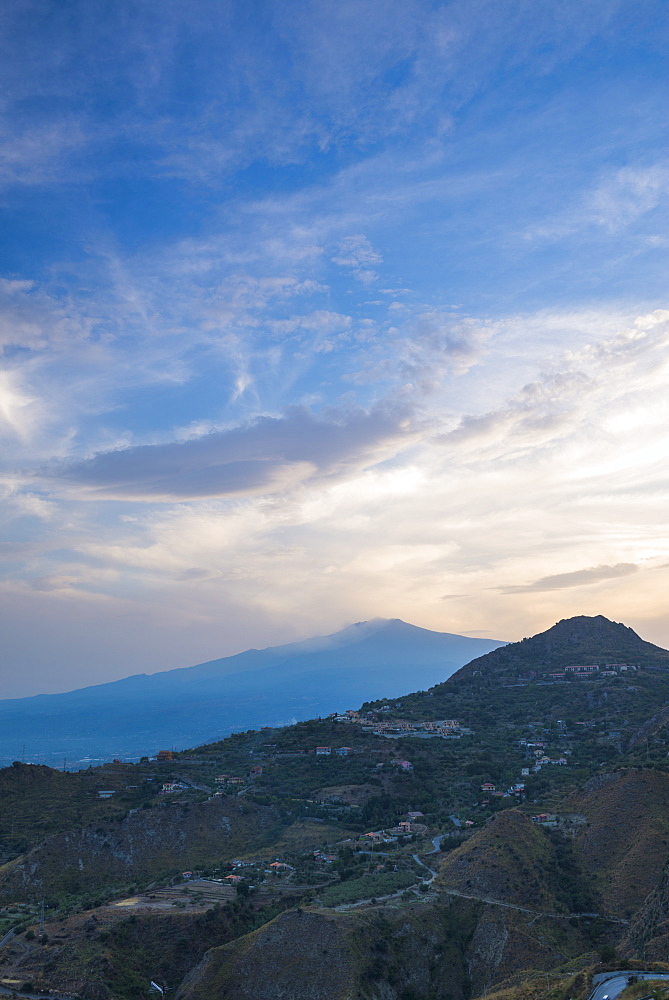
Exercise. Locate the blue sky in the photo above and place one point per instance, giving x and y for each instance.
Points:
(312, 312)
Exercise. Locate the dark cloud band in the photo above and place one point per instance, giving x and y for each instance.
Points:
(260, 457)
(576, 579)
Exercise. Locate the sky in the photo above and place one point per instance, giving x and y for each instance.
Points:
(315, 311)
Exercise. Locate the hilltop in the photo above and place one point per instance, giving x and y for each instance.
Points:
(572, 641)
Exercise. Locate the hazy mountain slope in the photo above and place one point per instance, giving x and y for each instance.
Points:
(275, 686)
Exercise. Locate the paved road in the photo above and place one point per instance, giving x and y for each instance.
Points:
(8, 936)
(433, 874)
(393, 895)
(508, 906)
(611, 984)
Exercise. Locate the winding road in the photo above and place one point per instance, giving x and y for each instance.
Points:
(611, 984)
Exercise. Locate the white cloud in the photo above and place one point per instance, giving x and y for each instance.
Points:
(19, 412)
(620, 199)
(236, 423)
(358, 254)
(557, 479)
(630, 193)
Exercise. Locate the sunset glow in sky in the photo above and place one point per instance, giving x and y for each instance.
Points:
(313, 311)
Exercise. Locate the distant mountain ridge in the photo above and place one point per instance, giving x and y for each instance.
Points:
(274, 686)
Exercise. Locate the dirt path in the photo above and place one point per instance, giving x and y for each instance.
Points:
(532, 913)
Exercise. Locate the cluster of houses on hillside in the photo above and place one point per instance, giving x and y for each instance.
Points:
(275, 868)
(445, 728)
(235, 780)
(324, 857)
(540, 761)
(538, 749)
(590, 670)
(518, 789)
(491, 790)
(173, 786)
(576, 670)
(403, 828)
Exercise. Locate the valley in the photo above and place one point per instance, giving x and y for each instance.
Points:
(505, 832)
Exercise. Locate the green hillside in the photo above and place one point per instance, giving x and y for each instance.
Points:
(504, 824)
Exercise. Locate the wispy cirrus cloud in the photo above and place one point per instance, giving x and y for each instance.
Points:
(593, 386)
(619, 200)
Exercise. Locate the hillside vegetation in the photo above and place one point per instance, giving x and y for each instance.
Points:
(313, 955)
(541, 806)
(140, 847)
(515, 861)
(625, 842)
